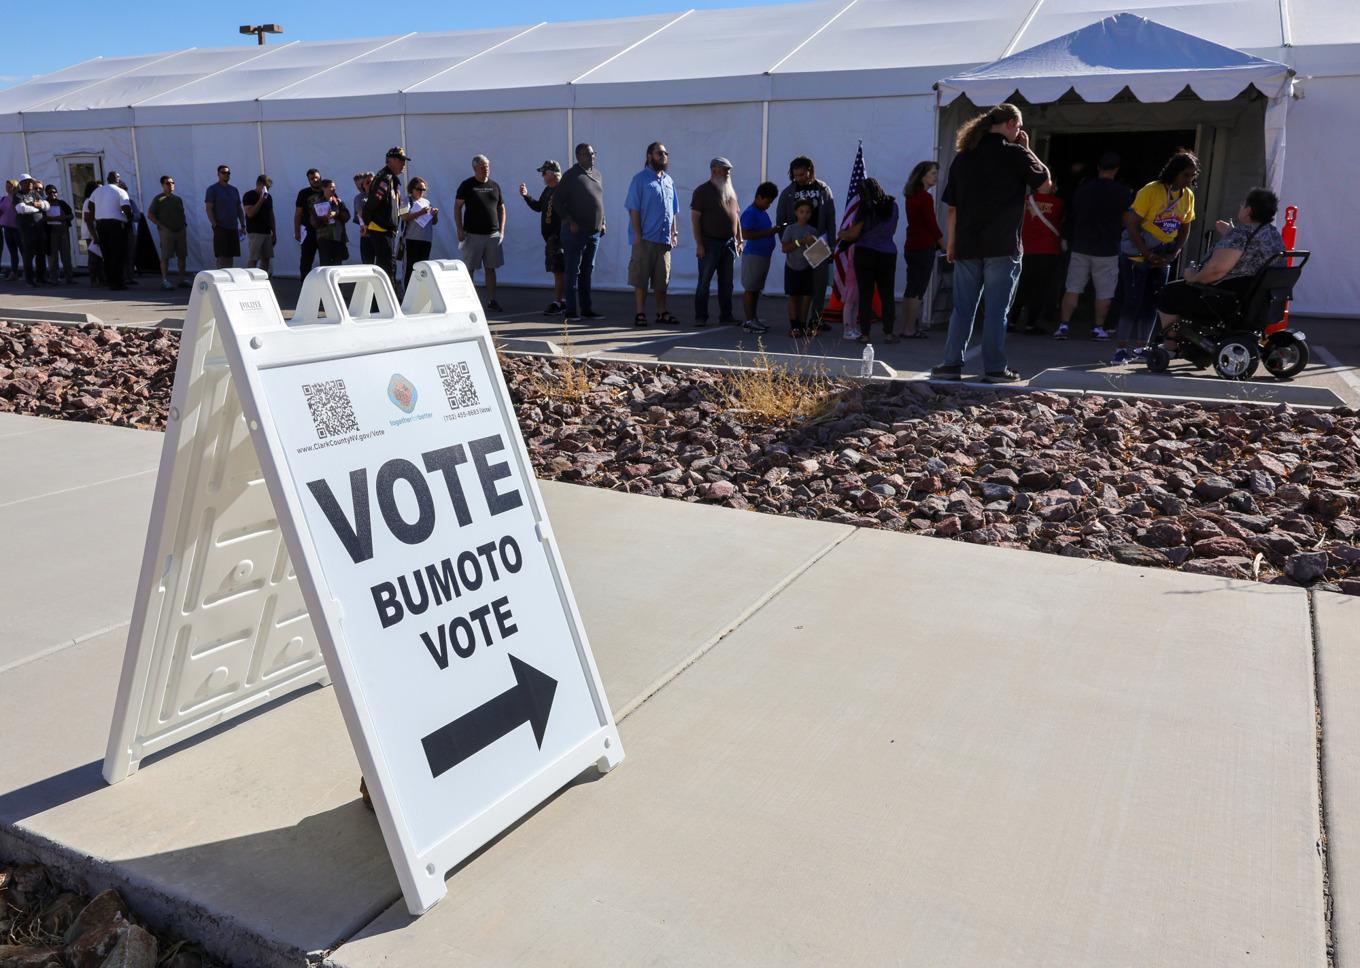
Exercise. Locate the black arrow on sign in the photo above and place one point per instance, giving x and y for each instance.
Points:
(529, 700)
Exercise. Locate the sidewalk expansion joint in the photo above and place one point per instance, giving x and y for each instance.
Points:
(78, 487)
(63, 646)
(736, 623)
(1328, 922)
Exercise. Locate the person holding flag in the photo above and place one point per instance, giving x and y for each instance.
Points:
(870, 238)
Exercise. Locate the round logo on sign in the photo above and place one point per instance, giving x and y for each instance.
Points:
(402, 393)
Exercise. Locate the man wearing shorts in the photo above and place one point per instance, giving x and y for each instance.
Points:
(223, 204)
(652, 232)
(1094, 226)
(261, 230)
(760, 235)
(479, 214)
(166, 212)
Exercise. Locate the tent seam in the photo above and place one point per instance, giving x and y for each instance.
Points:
(469, 58)
(1024, 25)
(636, 43)
(331, 67)
(810, 37)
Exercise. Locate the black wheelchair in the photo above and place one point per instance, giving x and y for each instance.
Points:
(1237, 330)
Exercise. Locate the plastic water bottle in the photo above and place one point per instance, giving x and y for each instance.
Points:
(866, 366)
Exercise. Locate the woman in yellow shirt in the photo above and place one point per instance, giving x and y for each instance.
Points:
(1155, 227)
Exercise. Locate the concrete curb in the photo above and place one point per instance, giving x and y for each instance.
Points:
(1165, 385)
(711, 357)
(46, 316)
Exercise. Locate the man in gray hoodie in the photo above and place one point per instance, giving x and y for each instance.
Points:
(579, 203)
(804, 184)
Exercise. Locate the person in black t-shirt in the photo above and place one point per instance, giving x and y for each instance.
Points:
(479, 214)
(989, 179)
(302, 222)
(261, 231)
(1094, 226)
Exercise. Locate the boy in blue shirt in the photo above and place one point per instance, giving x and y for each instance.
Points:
(760, 234)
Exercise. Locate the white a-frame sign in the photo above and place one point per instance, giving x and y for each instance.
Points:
(347, 498)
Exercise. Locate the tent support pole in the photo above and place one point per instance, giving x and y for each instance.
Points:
(136, 163)
(764, 140)
(259, 142)
(571, 135)
(928, 304)
(23, 138)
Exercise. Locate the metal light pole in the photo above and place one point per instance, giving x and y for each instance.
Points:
(259, 30)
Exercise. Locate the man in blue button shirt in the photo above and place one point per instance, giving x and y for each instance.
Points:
(653, 232)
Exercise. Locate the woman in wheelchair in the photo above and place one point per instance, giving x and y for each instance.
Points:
(1242, 250)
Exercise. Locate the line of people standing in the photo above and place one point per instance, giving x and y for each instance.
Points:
(35, 226)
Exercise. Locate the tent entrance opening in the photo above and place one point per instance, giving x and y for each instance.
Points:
(1072, 156)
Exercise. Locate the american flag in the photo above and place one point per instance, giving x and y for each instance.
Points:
(845, 287)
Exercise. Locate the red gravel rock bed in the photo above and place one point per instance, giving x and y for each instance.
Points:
(1241, 491)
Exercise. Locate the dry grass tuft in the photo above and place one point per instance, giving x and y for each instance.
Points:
(776, 394)
(569, 381)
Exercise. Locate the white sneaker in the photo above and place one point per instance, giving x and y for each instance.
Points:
(755, 326)
(1060, 332)
(1101, 334)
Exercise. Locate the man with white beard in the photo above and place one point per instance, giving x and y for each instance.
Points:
(715, 215)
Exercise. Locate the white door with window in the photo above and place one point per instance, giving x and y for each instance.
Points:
(77, 172)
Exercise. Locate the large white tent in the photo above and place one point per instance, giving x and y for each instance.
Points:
(758, 85)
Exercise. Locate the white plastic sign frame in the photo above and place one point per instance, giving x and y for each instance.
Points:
(441, 317)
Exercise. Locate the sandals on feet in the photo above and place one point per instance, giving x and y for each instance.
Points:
(666, 319)
(796, 332)
(640, 319)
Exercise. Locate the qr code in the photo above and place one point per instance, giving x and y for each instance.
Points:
(332, 411)
(458, 386)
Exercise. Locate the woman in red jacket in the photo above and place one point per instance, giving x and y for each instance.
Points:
(924, 242)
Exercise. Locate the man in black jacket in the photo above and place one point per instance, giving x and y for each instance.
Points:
(383, 209)
(550, 227)
(579, 203)
(988, 182)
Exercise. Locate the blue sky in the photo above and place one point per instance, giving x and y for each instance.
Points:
(160, 25)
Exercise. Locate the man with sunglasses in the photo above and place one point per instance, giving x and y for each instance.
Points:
(222, 202)
(166, 212)
(653, 231)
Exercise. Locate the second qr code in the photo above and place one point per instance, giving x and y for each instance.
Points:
(458, 385)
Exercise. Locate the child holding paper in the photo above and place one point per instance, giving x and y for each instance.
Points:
(419, 223)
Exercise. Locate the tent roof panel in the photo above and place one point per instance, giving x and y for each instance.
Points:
(157, 77)
(34, 92)
(885, 34)
(1233, 23)
(276, 68)
(396, 66)
(548, 55)
(718, 44)
(1323, 22)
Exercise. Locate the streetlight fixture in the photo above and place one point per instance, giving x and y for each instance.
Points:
(259, 30)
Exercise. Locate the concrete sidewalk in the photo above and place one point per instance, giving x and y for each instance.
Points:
(844, 747)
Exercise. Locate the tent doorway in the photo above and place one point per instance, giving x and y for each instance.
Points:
(1072, 156)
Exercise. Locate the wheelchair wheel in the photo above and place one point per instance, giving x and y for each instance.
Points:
(1285, 356)
(1157, 359)
(1237, 357)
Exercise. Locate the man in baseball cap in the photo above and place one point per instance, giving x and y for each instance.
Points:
(715, 217)
(550, 227)
(382, 211)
